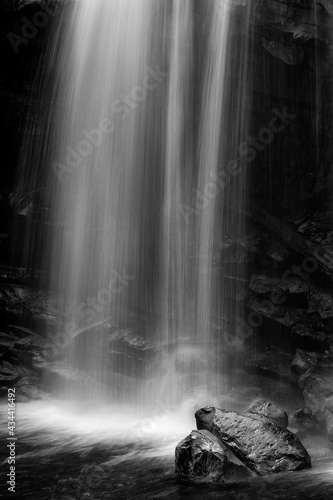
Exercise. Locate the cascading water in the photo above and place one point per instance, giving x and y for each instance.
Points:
(137, 164)
(146, 188)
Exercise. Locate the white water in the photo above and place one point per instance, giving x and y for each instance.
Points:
(147, 122)
(128, 445)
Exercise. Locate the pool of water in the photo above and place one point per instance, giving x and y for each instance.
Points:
(66, 452)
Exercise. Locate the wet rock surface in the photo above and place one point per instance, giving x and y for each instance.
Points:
(302, 420)
(24, 304)
(258, 442)
(201, 457)
(269, 410)
(317, 386)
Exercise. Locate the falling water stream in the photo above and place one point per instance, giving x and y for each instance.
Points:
(145, 188)
(140, 168)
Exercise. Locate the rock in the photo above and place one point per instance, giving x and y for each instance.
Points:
(317, 387)
(303, 360)
(278, 251)
(8, 375)
(329, 402)
(289, 54)
(300, 363)
(318, 248)
(264, 407)
(301, 420)
(261, 283)
(126, 348)
(22, 275)
(329, 420)
(327, 4)
(7, 340)
(18, 302)
(321, 302)
(28, 388)
(202, 458)
(260, 444)
(27, 393)
(271, 363)
(295, 18)
(131, 337)
(303, 325)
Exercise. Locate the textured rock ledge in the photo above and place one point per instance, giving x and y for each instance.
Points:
(202, 458)
(256, 440)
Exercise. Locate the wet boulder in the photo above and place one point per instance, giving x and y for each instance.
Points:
(256, 440)
(202, 458)
(302, 420)
(264, 407)
(303, 361)
(317, 387)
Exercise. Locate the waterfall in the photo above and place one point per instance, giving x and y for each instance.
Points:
(107, 79)
(176, 320)
(145, 188)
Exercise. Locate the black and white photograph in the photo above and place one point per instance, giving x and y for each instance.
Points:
(166, 249)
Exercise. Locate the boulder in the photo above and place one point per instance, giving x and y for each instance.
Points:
(321, 302)
(303, 360)
(317, 386)
(202, 458)
(264, 407)
(256, 440)
(302, 420)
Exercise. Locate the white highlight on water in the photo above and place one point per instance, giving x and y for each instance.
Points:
(143, 122)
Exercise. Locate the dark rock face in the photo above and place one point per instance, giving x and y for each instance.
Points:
(202, 458)
(302, 361)
(272, 362)
(271, 411)
(317, 386)
(260, 444)
(305, 360)
(23, 304)
(302, 420)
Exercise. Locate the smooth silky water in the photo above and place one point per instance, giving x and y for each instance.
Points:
(137, 161)
(147, 106)
(67, 452)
